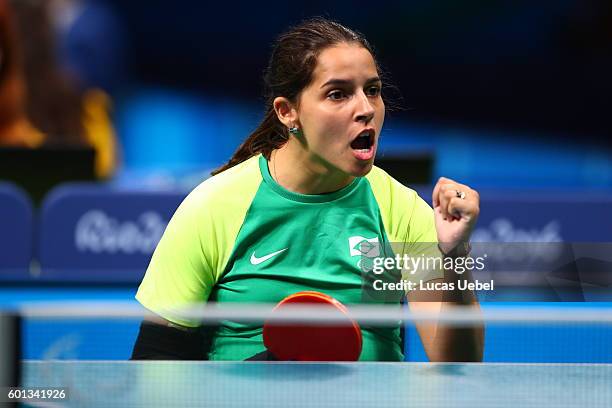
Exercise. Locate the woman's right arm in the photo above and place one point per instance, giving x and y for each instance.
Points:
(159, 339)
(181, 274)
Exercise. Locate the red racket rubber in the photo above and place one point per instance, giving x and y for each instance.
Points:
(313, 342)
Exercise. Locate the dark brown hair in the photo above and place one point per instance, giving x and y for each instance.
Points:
(293, 60)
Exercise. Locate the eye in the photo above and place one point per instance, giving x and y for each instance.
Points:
(336, 95)
(373, 91)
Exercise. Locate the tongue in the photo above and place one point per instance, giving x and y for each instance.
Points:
(361, 143)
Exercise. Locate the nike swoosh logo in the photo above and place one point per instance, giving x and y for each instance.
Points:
(256, 261)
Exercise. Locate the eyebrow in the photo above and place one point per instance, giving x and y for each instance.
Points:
(348, 82)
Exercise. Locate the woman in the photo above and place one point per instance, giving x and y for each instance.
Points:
(290, 209)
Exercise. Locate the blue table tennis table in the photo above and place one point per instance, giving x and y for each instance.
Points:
(295, 384)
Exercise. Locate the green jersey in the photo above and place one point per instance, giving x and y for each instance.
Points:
(241, 237)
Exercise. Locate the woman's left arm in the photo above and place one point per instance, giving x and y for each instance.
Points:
(456, 209)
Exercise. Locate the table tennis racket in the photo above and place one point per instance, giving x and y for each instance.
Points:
(314, 341)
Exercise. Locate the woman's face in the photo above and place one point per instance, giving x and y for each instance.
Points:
(341, 111)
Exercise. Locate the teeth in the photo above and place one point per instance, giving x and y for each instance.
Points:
(363, 150)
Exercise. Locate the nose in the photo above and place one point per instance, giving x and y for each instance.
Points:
(364, 111)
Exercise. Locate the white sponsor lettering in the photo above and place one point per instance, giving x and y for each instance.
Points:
(502, 230)
(98, 232)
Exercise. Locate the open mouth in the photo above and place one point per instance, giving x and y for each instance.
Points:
(363, 145)
(364, 141)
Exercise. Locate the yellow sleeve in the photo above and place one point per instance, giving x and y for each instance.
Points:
(409, 223)
(197, 243)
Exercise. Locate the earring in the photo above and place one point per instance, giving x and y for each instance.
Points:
(294, 130)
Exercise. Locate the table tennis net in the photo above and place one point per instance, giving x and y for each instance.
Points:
(521, 333)
(534, 355)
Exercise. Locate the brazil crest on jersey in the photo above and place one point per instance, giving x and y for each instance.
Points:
(241, 237)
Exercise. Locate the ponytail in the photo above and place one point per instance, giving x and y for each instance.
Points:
(269, 135)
